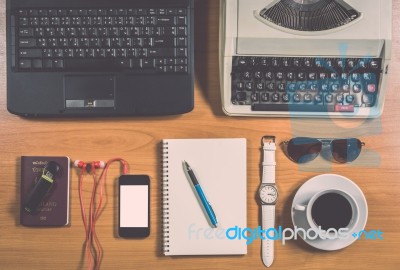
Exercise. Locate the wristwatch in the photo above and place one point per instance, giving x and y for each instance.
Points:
(268, 195)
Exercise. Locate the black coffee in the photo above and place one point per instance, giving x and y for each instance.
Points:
(331, 210)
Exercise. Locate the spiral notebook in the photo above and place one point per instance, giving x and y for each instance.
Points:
(220, 167)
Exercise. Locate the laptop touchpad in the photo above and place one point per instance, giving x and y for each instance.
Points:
(89, 91)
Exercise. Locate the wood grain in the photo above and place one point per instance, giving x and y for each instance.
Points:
(377, 172)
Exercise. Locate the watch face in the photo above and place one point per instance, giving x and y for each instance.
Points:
(268, 194)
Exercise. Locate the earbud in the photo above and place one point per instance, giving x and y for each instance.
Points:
(79, 164)
(88, 166)
(99, 164)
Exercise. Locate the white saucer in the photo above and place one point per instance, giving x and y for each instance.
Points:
(323, 182)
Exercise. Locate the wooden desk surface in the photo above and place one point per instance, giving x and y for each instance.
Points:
(377, 172)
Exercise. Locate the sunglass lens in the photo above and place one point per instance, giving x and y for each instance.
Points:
(346, 150)
(302, 150)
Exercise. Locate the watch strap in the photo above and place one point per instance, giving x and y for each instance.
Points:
(268, 164)
(268, 221)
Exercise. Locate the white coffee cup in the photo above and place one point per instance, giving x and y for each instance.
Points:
(326, 232)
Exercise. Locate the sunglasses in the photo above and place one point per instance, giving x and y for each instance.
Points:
(303, 149)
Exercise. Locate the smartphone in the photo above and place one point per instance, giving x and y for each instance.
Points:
(134, 206)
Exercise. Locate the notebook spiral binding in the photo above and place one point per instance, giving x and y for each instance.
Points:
(165, 197)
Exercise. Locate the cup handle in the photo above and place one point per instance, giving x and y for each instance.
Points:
(300, 207)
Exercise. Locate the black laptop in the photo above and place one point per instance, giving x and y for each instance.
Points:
(100, 57)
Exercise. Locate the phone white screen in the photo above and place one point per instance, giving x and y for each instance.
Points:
(134, 206)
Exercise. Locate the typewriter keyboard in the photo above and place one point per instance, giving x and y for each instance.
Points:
(305, 84)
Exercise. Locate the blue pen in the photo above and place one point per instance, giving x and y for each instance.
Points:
(204, 201)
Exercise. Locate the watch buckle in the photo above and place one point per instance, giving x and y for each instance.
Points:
(267, 139)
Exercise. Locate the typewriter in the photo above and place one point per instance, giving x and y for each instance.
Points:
(305, 58)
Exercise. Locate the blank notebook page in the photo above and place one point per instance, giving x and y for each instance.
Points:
(220, 167)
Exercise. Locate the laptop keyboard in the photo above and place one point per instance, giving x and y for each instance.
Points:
(305, 84)
(113, 39)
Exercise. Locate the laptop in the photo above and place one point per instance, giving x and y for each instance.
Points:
(100, 57)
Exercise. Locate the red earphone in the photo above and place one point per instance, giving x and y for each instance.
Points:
(89, 166)
(93, 248)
